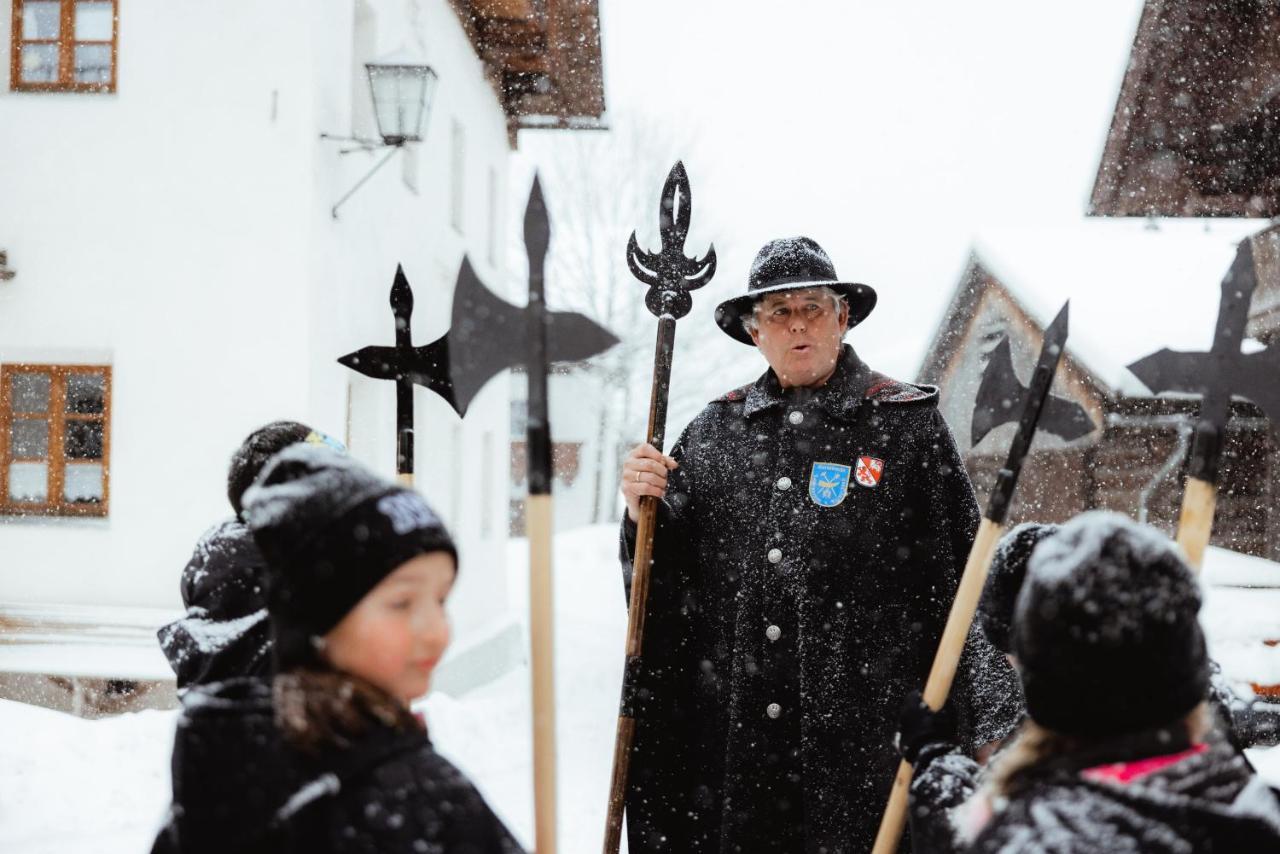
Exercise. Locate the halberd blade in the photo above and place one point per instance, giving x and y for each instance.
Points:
(488, 335)
(381, 363)
(999, 399)
(999, 394)
(669, 274)
(1171, 370)
(1259, 380)
(1054, 344)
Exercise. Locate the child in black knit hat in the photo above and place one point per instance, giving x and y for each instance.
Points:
(1118, 752)
(327, 756)
(946, 780)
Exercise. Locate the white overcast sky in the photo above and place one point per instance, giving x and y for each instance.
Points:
(888, 132)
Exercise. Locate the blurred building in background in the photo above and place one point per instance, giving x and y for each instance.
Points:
(185, 257)
(1195, 135)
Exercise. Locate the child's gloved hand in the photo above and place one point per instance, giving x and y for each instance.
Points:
(920, 726)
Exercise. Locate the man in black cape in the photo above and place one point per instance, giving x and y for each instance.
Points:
(812, 531)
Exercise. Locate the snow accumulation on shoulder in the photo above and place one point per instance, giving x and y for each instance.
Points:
(210, 636)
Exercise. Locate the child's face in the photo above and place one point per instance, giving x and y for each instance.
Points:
(395, 635)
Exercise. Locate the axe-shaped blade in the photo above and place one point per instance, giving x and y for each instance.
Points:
(487, 336)
(1217, 374)
(1052, 347)
(1000, 395)
(426, 366)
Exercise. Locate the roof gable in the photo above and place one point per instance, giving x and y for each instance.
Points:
(1196, 128)
(1133, 290)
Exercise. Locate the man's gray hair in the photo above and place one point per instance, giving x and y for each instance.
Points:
(750, 324)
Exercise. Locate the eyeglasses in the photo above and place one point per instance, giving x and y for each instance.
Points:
(781, 315)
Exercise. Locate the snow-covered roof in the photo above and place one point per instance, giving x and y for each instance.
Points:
(1134, 289)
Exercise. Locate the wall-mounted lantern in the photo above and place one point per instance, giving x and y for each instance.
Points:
(401, 89)
(5, 273)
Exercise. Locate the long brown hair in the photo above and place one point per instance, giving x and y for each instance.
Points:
(1034, 746)
(319, 706)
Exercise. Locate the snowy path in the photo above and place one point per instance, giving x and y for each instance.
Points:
(69, 786)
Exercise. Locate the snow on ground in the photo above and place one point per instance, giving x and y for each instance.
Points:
(487, 732)
(71, 786)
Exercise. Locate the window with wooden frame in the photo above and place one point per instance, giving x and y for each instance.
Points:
(64, 45)
(54, 439)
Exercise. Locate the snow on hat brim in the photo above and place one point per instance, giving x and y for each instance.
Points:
(731, 312)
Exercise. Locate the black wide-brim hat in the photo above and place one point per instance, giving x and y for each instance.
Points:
(790, 264)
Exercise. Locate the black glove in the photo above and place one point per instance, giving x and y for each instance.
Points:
(919, 726)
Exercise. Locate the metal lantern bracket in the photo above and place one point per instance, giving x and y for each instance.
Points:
(400, 108)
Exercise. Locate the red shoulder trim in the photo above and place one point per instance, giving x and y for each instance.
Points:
(883, 389)
(736, 394)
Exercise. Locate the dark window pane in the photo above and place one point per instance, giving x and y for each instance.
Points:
(39, 63)
(86, 392)
(82, 483)
(29, 483)
(84, 440)
(93, 22)
(93, 63)
(30, 392)
(29, 438)
(41, 19)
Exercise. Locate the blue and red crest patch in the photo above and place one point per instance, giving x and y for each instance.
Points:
(868, 471)
(828, 484)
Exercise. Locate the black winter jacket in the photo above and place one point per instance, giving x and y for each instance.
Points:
(805, 558)
(1206, 803)
(237, 787)
(225, 633)
(945, 778)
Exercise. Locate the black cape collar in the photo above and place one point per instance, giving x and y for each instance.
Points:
(840, 396)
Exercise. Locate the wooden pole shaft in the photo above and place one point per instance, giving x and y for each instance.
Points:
(539, 518)
(943, 672)
(641, 566)
(1195, 523)
(618, 784)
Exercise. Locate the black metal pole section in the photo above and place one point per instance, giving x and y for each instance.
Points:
(670, 277)
(965, 604)
(402, 308)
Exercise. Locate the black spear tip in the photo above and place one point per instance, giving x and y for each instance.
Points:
(1057, 331)
(537, 227)
(676, 209)
(401, 295)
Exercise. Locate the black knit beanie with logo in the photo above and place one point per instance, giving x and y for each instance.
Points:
(1106, 631)
(330, 530)
(1004, 581)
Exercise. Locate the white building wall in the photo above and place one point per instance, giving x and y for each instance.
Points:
(180, 230)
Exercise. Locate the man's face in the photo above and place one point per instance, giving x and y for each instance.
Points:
(799, 333)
